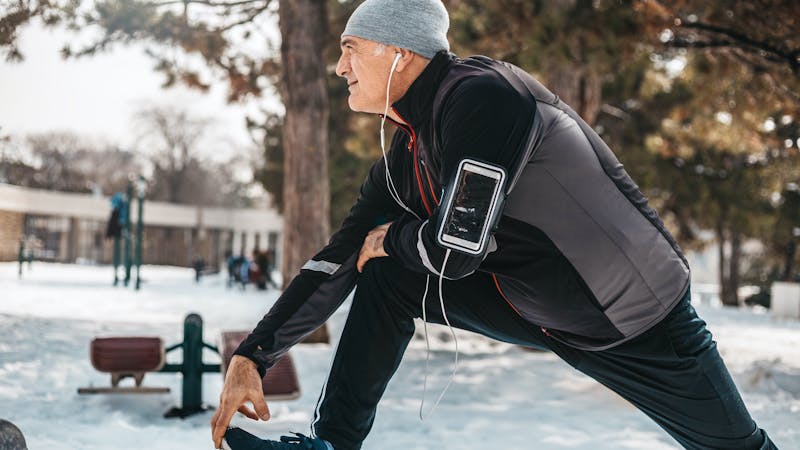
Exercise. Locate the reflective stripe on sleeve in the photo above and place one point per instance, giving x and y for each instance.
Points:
(321, 266)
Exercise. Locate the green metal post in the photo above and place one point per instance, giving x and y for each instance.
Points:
(192, 367)
(126, 233)
(139, 227)
(193, 363)
(21, 256)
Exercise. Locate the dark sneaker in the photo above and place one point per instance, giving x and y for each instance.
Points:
(238, 439)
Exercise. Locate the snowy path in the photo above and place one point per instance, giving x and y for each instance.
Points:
(503, 396)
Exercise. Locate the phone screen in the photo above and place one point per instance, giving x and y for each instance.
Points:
(473, 198)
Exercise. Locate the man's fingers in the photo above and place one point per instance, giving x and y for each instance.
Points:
(361, 261)
(260, 405)
(225, 415)
(248, 412)
(214, 418)
(362, 257)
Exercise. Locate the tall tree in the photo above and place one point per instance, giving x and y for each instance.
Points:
(306, 198)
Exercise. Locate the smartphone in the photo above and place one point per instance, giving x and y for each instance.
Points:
(472, 207)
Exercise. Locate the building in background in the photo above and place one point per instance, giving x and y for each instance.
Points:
(71, 228)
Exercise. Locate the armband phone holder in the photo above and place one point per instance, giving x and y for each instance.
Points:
(471, 207)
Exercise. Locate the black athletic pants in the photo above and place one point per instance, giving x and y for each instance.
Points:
(673, 373)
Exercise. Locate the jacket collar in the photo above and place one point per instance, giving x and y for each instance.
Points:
(417, 104)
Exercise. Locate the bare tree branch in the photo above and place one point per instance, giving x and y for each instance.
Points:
(209, 3)
(249, 18)
(736, 39)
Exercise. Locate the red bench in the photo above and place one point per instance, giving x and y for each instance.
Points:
(133, 357)
(126, 357)
(280, 382)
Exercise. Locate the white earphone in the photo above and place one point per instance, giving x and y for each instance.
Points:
(396, 196)
(389, 182)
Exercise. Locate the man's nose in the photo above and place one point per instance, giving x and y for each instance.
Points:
(343, 66)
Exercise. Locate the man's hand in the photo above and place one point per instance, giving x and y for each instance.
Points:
(373, 245)
(242, 384)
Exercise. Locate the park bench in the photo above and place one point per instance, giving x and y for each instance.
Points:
(125, 357)
(133, 357)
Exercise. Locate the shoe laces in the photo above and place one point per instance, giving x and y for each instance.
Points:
(298, 439)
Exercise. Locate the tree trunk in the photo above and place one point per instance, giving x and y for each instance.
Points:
(730, 290)
(788, 266)
(724, 283)
(306, 196)
(579, 87)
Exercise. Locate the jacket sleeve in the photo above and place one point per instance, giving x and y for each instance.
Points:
(324, 281)
(484, 118)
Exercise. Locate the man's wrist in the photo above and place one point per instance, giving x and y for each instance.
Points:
(251, 361)
(245, 360)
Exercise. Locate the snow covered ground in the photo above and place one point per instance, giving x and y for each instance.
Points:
(503, 397)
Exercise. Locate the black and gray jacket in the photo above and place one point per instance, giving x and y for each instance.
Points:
(578, 253)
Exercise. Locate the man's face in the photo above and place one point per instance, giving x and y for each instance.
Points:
(366, 69)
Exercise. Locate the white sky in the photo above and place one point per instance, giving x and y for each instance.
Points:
(97, 96)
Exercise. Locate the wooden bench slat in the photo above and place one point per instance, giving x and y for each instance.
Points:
(127, 354)
(124, 390)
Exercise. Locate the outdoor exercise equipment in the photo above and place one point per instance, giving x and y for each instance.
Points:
(133, 357)
(120, 228)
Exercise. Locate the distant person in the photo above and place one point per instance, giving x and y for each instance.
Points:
(263, 260)
(582, 265)
(260, 269)
(243, 269)
(230, 264)
(199, 265)
(114, 226)
(21, 255)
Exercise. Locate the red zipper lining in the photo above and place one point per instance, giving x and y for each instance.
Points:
(433, 193)
(497, 284)
(413, 144)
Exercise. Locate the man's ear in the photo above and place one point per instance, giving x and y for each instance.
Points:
(406, 57)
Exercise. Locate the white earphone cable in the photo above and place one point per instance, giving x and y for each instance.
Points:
(396, 196)
(389, 182)
(428, 346)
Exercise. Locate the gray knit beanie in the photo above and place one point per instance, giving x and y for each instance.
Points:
(418, 25)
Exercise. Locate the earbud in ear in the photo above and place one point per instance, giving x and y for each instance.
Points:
(397, 56)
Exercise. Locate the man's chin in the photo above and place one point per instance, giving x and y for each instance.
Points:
(354, 105)
(357, 106)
